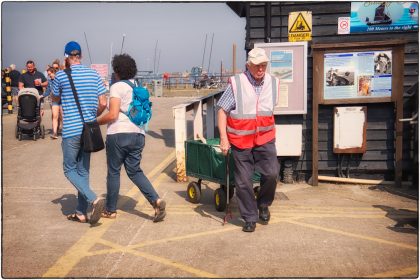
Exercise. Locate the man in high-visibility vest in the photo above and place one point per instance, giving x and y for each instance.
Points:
(246, 125)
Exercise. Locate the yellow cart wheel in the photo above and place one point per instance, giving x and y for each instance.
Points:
(220, 199)
(194, 192)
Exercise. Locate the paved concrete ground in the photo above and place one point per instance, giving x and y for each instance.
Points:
(326, 231)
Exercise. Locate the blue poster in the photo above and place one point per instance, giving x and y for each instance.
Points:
(358, 74)
(384, 16)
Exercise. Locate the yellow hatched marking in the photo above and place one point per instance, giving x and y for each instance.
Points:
(178, 265)
(72, 257)
(396, 273)
(81, 248)
(402, 245)
(302, 208)
(163, 240)
(226, 228)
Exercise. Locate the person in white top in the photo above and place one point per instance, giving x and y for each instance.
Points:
(125, 141)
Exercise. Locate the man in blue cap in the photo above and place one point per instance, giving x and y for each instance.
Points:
(90, 92)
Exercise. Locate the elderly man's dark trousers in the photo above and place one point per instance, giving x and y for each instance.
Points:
(262, 159)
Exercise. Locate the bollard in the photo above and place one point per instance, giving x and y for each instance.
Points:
(8, 91)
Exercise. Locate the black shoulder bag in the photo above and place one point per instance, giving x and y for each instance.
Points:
(91, 136)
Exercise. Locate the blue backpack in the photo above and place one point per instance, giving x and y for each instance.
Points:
(140, 109)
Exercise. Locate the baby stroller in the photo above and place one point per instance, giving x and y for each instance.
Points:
(29, 114)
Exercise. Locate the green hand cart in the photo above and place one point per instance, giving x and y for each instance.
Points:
(205, 161)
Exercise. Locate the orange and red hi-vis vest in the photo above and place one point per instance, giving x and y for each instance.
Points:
(251, 123)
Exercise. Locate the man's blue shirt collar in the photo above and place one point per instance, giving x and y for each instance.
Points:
(252, 80)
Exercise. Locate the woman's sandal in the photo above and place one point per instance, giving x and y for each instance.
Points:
(109, 214)
(98, 208)
(160, 211)
(73, 217)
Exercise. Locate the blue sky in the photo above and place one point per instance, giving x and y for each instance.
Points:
(39, 31)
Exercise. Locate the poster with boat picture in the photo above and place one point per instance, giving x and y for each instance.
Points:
(373, 16)
(357, 75)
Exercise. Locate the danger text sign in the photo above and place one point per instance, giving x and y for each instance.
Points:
(300, 26)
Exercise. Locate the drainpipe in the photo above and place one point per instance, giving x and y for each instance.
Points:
(248, 28)
(267, 27)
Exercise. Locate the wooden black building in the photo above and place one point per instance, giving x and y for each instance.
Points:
(268, 22)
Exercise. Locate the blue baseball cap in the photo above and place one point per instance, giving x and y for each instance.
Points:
(72, 48)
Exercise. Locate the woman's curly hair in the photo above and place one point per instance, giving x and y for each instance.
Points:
(124, 66)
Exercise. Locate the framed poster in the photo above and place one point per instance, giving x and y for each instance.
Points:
(357, 74)
(288, 62)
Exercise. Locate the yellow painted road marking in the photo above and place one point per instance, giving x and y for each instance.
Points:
(78, 251)
(226, 228)
(396, 273)
(365, 237)
(178, 265)
(296, 215)
(307, 208)
(163, 240)
(72, 257)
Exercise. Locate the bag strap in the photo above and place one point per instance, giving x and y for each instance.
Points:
(73, 88)
(133, 85)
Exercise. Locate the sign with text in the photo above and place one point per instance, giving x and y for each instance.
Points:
(288, 63)
(357, 74)
(300, 26)
(102, 70)
(343, 25)
(384, 16)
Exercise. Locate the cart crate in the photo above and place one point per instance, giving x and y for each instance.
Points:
(206, 161)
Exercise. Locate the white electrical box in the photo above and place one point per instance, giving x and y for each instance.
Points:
(289, 139)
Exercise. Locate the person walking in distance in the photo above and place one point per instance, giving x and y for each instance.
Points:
(76, 162)
(32, 78)
(14, 76)
(125, 141)
(246, 125)
(56, 110)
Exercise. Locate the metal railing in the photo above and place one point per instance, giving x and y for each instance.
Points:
(178, 81)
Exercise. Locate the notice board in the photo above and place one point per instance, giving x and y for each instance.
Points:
(288, 62)
(361, 75)
(365, 72)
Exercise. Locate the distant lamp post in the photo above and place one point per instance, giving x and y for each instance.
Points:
(122, 44)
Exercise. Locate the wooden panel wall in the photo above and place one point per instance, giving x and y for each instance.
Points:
(378, 161)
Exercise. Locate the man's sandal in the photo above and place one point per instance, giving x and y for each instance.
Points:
(109, 214)
(73, 217)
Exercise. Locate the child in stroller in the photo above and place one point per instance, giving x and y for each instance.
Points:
(29, 114)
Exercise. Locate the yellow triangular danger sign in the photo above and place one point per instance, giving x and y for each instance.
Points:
(300, 25)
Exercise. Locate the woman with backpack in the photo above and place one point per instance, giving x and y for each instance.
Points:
(125, 141)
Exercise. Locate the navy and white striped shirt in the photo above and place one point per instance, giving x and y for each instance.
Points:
(89, 87)
(227, 100)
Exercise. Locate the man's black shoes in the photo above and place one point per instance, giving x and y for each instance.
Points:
(249, 227)
(264, 214)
